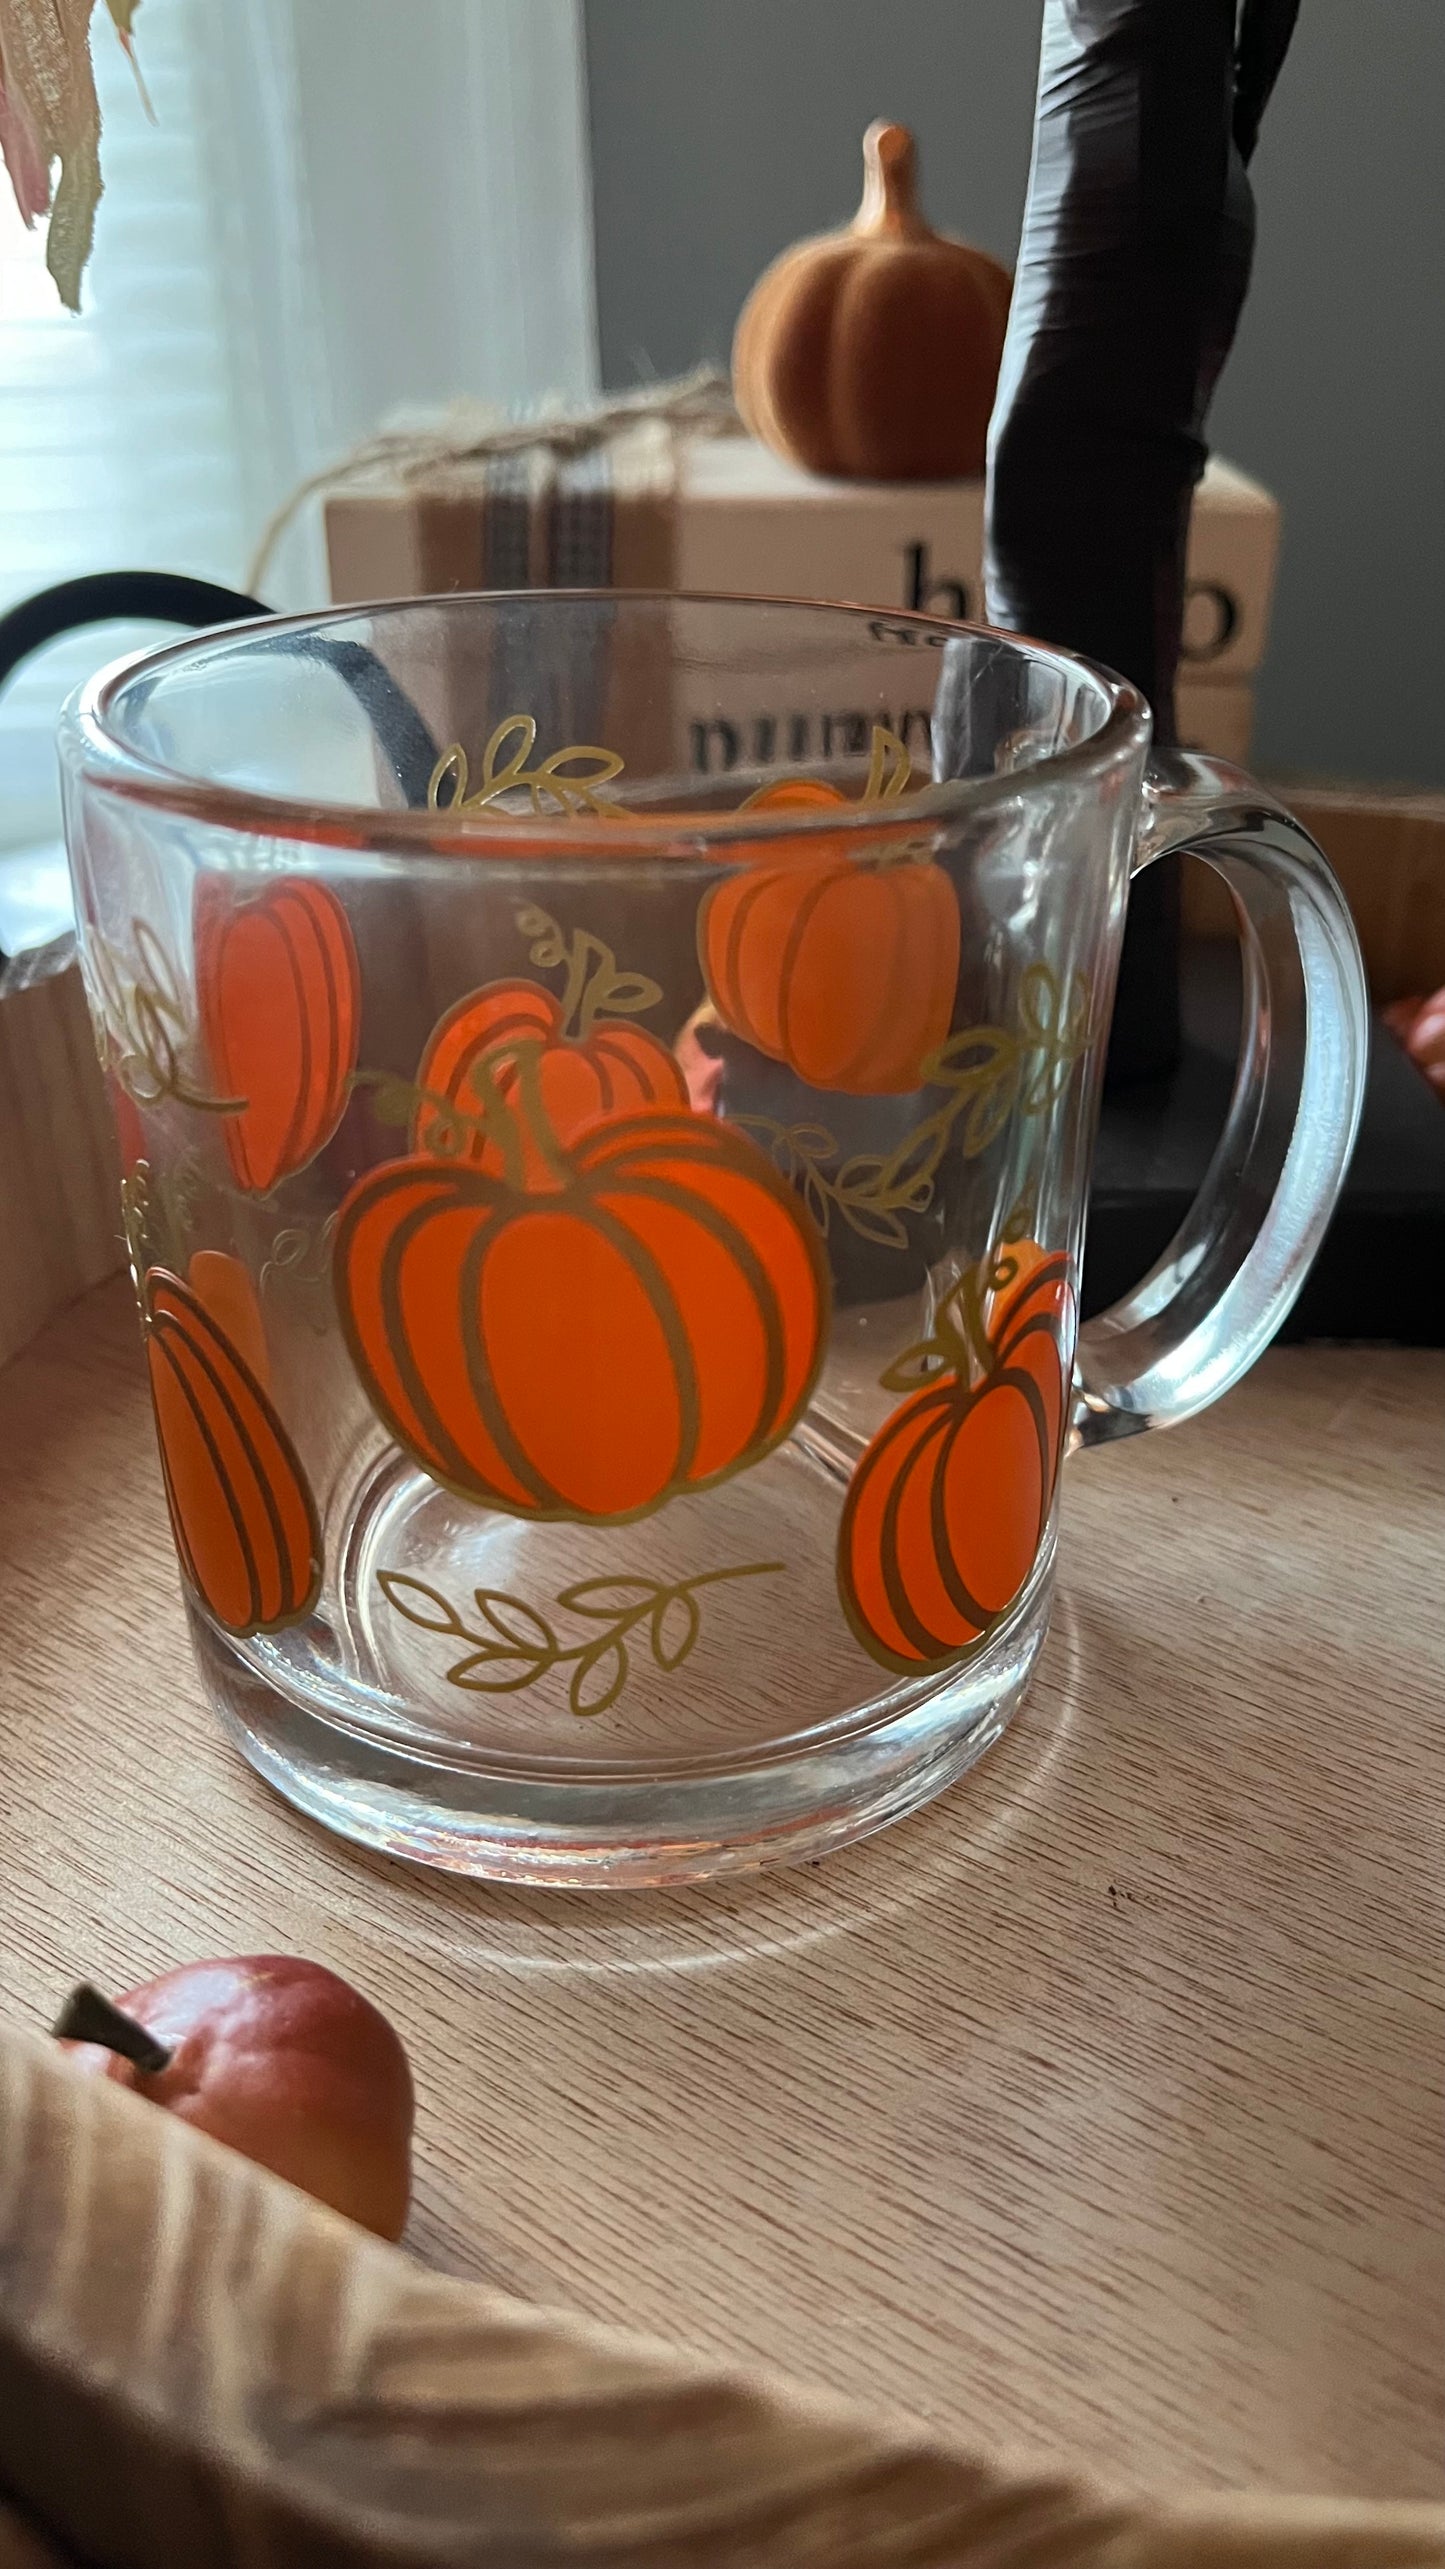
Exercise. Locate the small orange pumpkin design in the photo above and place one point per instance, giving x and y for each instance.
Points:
(945, 1513)
(242, 1513)
(280, 1006)
(841, 963)
(613, 1070)
(596, 1329)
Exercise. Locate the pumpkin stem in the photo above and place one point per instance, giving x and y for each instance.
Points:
(890, 184)
(591, 973)
(532, 1160)
(968, 1297)
(87, 2017)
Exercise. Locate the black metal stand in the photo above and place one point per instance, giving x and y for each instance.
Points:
(1133, 265)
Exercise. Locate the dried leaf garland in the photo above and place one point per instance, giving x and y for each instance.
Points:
(49, 112)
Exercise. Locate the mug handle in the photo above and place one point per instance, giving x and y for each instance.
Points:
(1227, 1279)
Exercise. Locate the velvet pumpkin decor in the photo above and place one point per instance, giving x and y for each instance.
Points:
(872, 354)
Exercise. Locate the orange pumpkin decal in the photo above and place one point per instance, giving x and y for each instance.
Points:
(841, 963)
(130, 1131)
(280, 1006)
(224, 1285)
(243, 1516)
(945, 1513)
(615, 1069)
(593, 1330)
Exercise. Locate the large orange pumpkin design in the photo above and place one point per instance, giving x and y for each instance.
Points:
(280, 1007)
(840, 962)
(595, 1330)
(243, 1516)
(612, 1070)
(946, 1511)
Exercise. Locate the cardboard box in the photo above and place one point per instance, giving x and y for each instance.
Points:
(723, 514)
(748, 523)
(1218, 720)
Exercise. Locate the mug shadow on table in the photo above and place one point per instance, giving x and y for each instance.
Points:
(749, 1918)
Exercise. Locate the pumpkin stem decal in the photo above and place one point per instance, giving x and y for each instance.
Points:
(637, 1313)
(595, 988)
(518, 1646)
(513, 1050)
(242, 1513)
(948, 1506)
(561, 783)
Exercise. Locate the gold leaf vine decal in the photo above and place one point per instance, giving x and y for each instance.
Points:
(989, 1075)
(149, 1022)
(497, 1118)
(572, 779)
(558, 784)
(517, 1646)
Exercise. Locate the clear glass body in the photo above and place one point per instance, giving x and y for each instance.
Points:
(606, 1088)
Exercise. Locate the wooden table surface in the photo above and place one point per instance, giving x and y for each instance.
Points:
(1098, 2108)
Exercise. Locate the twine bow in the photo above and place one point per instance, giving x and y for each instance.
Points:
(699, 404)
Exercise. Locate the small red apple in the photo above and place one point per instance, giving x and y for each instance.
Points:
(281, 2059)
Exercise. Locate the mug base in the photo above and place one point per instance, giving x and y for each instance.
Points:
(790, 1802)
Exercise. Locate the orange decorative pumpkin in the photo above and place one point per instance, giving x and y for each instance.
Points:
(841, 964)
(593, 1332)
(242, 1514)
(872, 354)
(613, 1071)
(280, 1006)
(945, 1513)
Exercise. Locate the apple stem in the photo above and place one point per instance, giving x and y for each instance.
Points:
(87, 2017)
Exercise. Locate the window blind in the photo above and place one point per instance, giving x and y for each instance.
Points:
(123, 431)
(300, 241)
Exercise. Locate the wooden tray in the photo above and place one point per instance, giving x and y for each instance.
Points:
(1092, 2117)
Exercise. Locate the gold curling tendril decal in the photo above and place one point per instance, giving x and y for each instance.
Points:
(299, 1260)
(556, 784)
(148, 1022)
(518, 1646)
(396, 1102)
(596, 986)
(161, 1213)
(988, 1073)
(960, 1337)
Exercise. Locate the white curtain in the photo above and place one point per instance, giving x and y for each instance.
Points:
(343, 205)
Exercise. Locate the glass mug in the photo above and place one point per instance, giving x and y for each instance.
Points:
(606, 1088)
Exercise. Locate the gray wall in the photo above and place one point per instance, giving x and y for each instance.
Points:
(722, 129)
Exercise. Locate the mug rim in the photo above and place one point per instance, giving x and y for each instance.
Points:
(111, 762)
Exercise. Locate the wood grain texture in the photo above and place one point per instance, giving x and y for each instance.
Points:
(248, 2378)
(59, 1173)
(1388, 851)
(1095, 2113)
